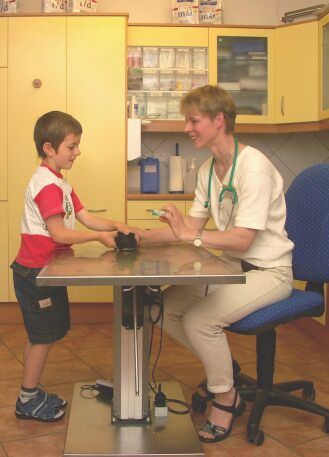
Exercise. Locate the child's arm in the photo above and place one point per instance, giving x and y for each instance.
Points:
(62, 235)
(98, 223)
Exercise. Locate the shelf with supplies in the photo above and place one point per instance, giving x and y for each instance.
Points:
(159, 76)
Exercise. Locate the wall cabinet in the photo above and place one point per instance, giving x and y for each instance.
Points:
(163, 63)
(277, 76)
(241, 61)
(296, 73)
(82, 71)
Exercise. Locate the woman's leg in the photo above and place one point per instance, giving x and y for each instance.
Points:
(197, 322)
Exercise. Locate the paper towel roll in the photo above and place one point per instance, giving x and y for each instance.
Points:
(176, 183)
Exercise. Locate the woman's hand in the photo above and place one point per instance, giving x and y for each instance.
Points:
(174, 218)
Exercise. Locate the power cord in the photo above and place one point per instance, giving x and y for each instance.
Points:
(161, 402)
(101, 387)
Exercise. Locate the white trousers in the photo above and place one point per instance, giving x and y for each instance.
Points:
(197, 321)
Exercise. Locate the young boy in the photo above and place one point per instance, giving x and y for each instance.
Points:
(51, 207)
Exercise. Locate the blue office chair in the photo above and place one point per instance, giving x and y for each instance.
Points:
(308, 227)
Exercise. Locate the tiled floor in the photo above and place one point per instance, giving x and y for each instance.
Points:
(86, 354)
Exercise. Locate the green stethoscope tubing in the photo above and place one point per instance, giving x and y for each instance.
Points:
(229, 188)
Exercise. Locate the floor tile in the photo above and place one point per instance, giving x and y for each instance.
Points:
(11, 368)
(12, 428)
(291, 426)
(318, 447)
(51, 445)
(237, 446)
(95, 357)
(86, 354)
(190, 374)
(66, 371)
(9, 391)
(85, 340)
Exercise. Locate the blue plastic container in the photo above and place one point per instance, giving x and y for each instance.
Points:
(150, 175)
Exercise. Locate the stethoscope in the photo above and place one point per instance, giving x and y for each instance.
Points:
(225, 189)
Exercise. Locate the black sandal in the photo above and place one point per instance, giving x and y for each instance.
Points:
(218, 432)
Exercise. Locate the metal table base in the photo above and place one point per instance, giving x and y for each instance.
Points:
(130, 429)
(91, 433)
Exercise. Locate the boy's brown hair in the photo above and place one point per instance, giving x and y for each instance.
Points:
(52, 128)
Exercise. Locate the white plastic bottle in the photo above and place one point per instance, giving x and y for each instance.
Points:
(133, 108)
(190, 179)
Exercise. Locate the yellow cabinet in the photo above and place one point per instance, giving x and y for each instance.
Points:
(96, 91)
(82, 71)
(3, 134)
(241, 61)
(296, 73)
(4, 272)
(167, 36)
(3, 41)
(324, 67)
(35, 85)
(96, 94)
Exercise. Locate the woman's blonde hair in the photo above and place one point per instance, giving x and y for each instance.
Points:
(210, 100)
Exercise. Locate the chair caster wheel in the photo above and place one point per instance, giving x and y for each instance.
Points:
(308, 394)
(257, 439)
(199, 405)
(326, 425)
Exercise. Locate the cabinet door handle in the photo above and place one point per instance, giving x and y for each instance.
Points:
(282, 105)
(96, 210)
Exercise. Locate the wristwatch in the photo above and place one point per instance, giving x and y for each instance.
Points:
(198, 239)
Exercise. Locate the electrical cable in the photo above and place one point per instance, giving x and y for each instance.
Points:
(155, 387)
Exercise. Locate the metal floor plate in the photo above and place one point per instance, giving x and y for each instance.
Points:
(90, 432)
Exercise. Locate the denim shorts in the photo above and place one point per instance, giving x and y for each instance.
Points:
(45, 310)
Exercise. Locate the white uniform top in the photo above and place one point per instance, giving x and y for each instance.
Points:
(261, 206)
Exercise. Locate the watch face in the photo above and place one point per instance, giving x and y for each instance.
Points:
(197, 242)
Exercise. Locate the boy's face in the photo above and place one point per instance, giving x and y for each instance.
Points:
(63, 158)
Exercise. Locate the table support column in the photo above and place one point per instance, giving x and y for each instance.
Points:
(131, 356)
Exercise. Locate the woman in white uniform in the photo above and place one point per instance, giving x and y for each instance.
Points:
(243, 192)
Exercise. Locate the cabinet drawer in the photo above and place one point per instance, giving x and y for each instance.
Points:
(145, 224)
(3, 41)
(137, 210)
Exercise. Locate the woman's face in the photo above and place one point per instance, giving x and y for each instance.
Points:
(201, 129)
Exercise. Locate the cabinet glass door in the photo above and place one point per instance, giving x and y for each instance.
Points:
(242, 70)
(325, 68)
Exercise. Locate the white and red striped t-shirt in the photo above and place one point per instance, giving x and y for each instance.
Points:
(47, 194)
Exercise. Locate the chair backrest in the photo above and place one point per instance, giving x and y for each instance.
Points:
(308, 223)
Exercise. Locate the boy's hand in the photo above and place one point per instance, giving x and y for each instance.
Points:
(108, 238)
